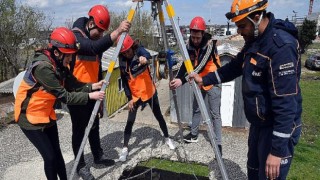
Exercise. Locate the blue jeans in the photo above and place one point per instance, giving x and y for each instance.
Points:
(214, 100)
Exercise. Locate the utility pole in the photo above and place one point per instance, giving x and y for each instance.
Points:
(178, 20)
(228, 28)
(295, 17)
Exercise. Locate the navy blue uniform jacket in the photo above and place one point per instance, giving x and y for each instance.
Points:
(271, 70)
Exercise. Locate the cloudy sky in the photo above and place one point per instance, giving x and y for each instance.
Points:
(62, 10)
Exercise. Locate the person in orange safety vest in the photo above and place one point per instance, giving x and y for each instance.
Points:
(139, 89)
(86, 66)
(46, 80)
(204, 57)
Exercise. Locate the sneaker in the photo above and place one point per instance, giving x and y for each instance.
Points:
(170, 143)
(123, 155)
(85, 173)
(190, 138)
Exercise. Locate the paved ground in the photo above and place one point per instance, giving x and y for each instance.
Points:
(20, 160)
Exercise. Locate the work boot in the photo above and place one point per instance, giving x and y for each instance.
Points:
(85, 173)
(102, 159)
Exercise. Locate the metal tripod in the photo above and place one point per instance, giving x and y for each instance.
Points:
(103, 88)
(187, 63)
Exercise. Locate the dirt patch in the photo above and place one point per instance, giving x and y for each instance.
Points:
(6, 98)
(5, 121)
(6, 110)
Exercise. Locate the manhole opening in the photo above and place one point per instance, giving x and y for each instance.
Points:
(159, 169)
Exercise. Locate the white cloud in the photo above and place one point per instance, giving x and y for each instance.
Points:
(38, 3)
(45, 3)
(286, 3)
(218, 3)
(121, 4)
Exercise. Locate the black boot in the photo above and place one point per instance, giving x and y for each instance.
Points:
(85, 173)
(102, 159)
(220, 149)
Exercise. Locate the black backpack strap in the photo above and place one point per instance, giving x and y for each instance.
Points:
(72, 63)
(214, 43)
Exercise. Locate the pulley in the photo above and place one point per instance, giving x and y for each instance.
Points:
(161, 69)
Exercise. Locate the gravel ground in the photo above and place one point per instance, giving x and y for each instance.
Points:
(20, 160)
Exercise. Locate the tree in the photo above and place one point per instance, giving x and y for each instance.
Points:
(141, 27)
(22, 28)
(307, 33)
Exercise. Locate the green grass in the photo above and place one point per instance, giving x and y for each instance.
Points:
(306, 159)
(178, 167)
(314, 46)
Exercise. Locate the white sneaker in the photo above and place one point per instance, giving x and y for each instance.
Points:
(123, 155)
(170, 143)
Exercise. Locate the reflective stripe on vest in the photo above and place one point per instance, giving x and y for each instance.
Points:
(142, 86)
(86, 68)
(34, 101)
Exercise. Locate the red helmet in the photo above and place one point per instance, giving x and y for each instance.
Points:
(198, 23)
(127, 43)
(63, 39)
(100, 16)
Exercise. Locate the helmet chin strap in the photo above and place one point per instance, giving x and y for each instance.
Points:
(60, 61)
(256, 25)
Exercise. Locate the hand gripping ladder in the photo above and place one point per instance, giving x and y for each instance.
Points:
(189, 67)
(103, 88)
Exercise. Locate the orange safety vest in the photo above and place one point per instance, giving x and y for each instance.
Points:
(33, 100)
(210, 67)
(86, 68)
(141, 86)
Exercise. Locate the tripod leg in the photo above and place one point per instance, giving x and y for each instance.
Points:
(165, 40)
(196, 90)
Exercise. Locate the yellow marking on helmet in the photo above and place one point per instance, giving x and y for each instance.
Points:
(130, 15)
(111, 66)
(161, 16)
(170, 11)
(188, 65)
